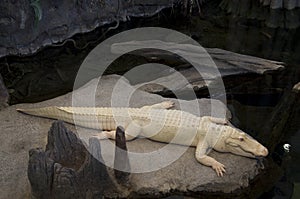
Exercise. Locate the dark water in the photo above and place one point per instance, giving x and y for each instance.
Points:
(252, 119)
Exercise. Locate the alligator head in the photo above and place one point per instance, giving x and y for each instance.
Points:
(238, 142)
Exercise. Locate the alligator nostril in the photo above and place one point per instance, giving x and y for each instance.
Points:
(265, 152)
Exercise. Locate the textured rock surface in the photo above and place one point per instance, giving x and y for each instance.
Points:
(26, 26)
(296, 88)
(275, 13)
(275, 4)
(226, 64)
(67, 170)
(3, 94)
(20, 133)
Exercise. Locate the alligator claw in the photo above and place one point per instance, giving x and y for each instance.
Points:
(101, 136)
(223, 121)
(219, 168)
(167, 104)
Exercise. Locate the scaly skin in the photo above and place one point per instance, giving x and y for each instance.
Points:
(157, 123)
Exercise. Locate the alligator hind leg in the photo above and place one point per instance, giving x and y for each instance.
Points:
(131, 132)
(162, 105)
(111, 135)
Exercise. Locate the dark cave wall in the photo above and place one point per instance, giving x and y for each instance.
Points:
(28, 25)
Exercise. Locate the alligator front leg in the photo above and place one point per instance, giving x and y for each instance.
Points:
(162, 105)
(211, 162)
(215, 120)
(204, 159)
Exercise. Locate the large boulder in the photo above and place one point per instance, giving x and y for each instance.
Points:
(185, 175)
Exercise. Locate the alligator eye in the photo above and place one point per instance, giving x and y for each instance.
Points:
(241, 139)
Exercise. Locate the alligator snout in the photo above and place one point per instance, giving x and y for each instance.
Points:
(263, 152)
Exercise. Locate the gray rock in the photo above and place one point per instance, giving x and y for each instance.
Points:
(296, 87)
(213, 64)
(275, 13)
(67, 169)
(27, 26)
(3, 94)
(276, 4)
(20, 133)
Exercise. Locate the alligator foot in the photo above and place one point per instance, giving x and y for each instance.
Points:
(162, 105)
(104, 135)
(219, 168)
(219, 120)
(167, 104)
(216, 120)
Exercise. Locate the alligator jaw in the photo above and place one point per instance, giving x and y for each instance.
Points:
(263, 152)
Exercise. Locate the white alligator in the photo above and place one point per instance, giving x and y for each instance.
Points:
(158, 123)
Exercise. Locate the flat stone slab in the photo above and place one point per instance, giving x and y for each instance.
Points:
(20, 133)
(67, 170)
(209, 65)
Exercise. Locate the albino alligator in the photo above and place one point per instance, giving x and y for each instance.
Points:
(157, 123)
